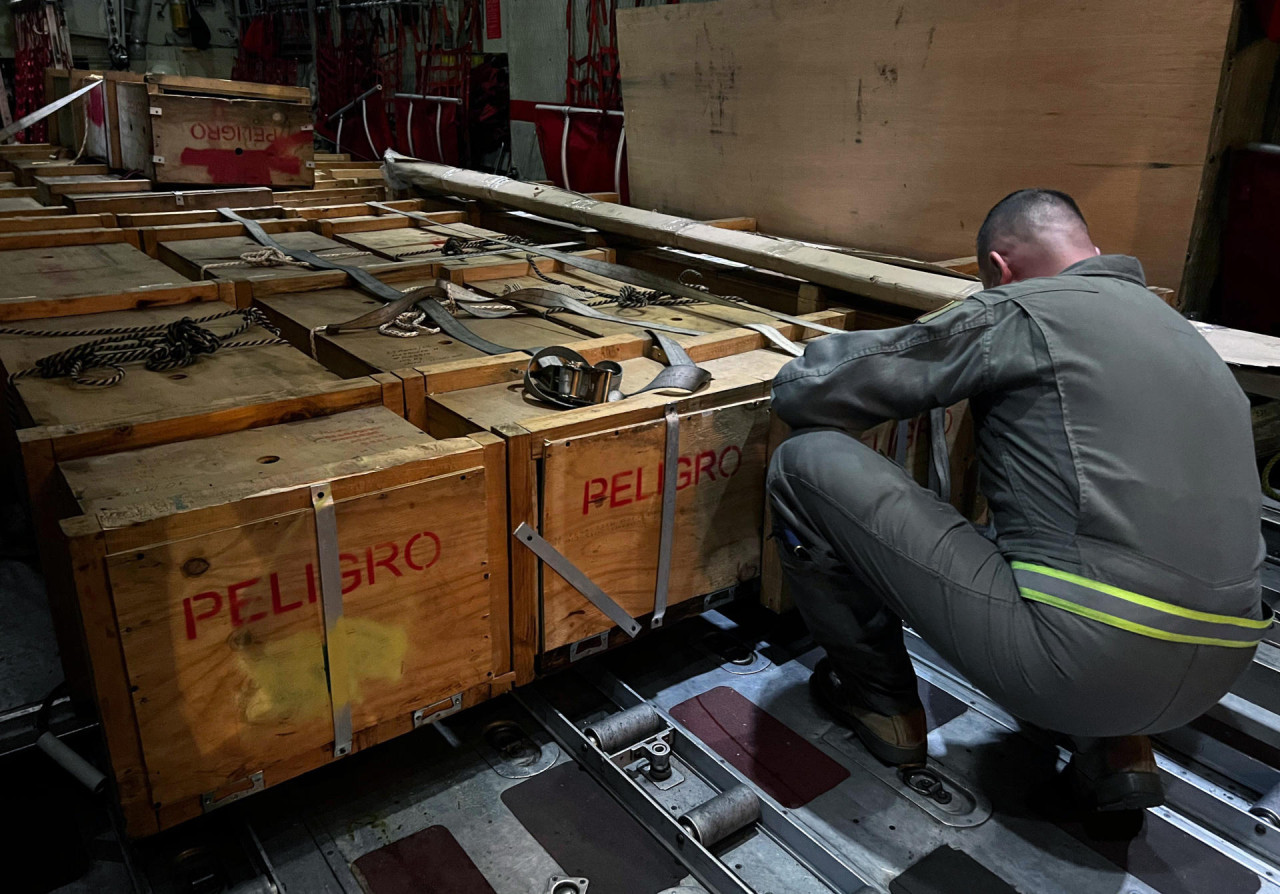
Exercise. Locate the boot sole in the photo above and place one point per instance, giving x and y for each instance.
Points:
(1122, 791)
(885, 752)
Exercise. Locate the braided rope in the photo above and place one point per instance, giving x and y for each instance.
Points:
(408, 325)
(160, 347)
(627, 297)
(274, 257)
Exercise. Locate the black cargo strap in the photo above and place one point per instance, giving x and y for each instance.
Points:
(369, 283)
(556, 300)
(641, 278)
(564, 378)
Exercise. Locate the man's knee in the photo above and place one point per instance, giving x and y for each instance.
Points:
(828, 462)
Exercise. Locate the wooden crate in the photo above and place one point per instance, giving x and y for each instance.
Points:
(363, 352)
(312, 197)
(213, 132)
(196, 568)
(53, 420)
(93, 121)
(587, 480)
(27, 206)
(400, 238)
(66, 272)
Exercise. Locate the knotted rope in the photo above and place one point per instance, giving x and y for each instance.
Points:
(160, 347)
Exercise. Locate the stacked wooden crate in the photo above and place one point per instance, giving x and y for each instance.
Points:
(292, 549)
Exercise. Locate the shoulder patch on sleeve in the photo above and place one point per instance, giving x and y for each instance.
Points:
(945, 309)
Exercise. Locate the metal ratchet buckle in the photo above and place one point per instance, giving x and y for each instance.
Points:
(564, 378)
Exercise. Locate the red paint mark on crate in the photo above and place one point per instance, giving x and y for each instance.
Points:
(628, 486)
(94, 108)
(765, 749)
(246, 166)
(247, 601)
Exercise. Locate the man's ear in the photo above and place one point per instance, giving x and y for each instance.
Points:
(1000, 267)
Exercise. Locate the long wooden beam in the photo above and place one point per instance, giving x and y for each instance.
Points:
(915, 289)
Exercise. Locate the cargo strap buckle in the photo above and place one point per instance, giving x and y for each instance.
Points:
(564, 378)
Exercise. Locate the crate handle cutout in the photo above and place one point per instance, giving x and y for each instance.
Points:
(210, 800)
(335, 644)
(425, 716)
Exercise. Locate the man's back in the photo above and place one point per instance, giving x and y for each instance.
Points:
(1130, 432)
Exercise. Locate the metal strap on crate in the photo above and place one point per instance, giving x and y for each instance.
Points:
(375, 287)
(574, 576)
(630, 275)
(335, 645)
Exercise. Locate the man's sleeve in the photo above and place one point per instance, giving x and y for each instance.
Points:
(855, 380)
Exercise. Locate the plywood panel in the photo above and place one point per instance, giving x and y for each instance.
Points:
(895, 126)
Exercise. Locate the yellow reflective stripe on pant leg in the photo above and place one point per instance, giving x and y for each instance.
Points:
(1131, 626)
(1139, 599)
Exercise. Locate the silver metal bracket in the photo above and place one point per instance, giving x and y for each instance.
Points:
(561, 884)
(651, 759)
(718, 598)
(210, 801)
(157, 159)
(591, 645)
(425, 716)
(156, 111)
(331, 602)
(561, 565)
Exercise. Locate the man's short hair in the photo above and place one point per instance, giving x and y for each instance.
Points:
(1020, 213)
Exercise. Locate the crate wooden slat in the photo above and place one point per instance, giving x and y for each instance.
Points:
(189, 200)
(357, 209)
(305, 197)
(587, 480)
(179, 218)
(52, 280)
(28, 207)
(11, 190)
(53, 190)
(27, 169)
(211, 658)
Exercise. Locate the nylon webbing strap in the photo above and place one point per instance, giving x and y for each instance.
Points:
(335, 645)
(666, 531)
(375, 287)
(574, 577)
(1134, 612)
(641, 278)
(551, 298)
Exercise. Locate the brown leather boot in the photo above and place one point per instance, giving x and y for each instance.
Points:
(1118, 774)
(897, 739)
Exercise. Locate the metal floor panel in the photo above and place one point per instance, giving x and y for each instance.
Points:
(308, 832)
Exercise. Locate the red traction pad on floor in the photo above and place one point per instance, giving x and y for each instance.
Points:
(426, 862)
(763, 748)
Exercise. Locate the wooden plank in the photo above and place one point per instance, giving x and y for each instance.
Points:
(872, 279)
(56, 222)
(28, 169)
(317, 212)
(151, 237)
(55, 238)
(222, 692)
(231, 142)
(303, 198)
(133, 123)
(1112, 103)
(51, 190)
(184, 84)
(28, 207)
(152, 202)
(178, 218)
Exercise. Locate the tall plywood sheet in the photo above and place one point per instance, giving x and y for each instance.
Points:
(894, 125)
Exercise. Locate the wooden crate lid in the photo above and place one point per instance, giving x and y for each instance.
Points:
(122, 489)
(413, 240)
(25, 204)
(200, 254)
(69, 270)
(492, 406)
(232, 377)
(298, 313)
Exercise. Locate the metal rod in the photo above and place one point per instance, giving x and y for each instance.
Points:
(427, 98)
(577, 110)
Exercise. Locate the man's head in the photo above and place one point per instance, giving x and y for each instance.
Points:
(1029, 233)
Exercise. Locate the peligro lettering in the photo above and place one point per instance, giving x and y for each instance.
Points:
(638, 484)
(252, 600)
